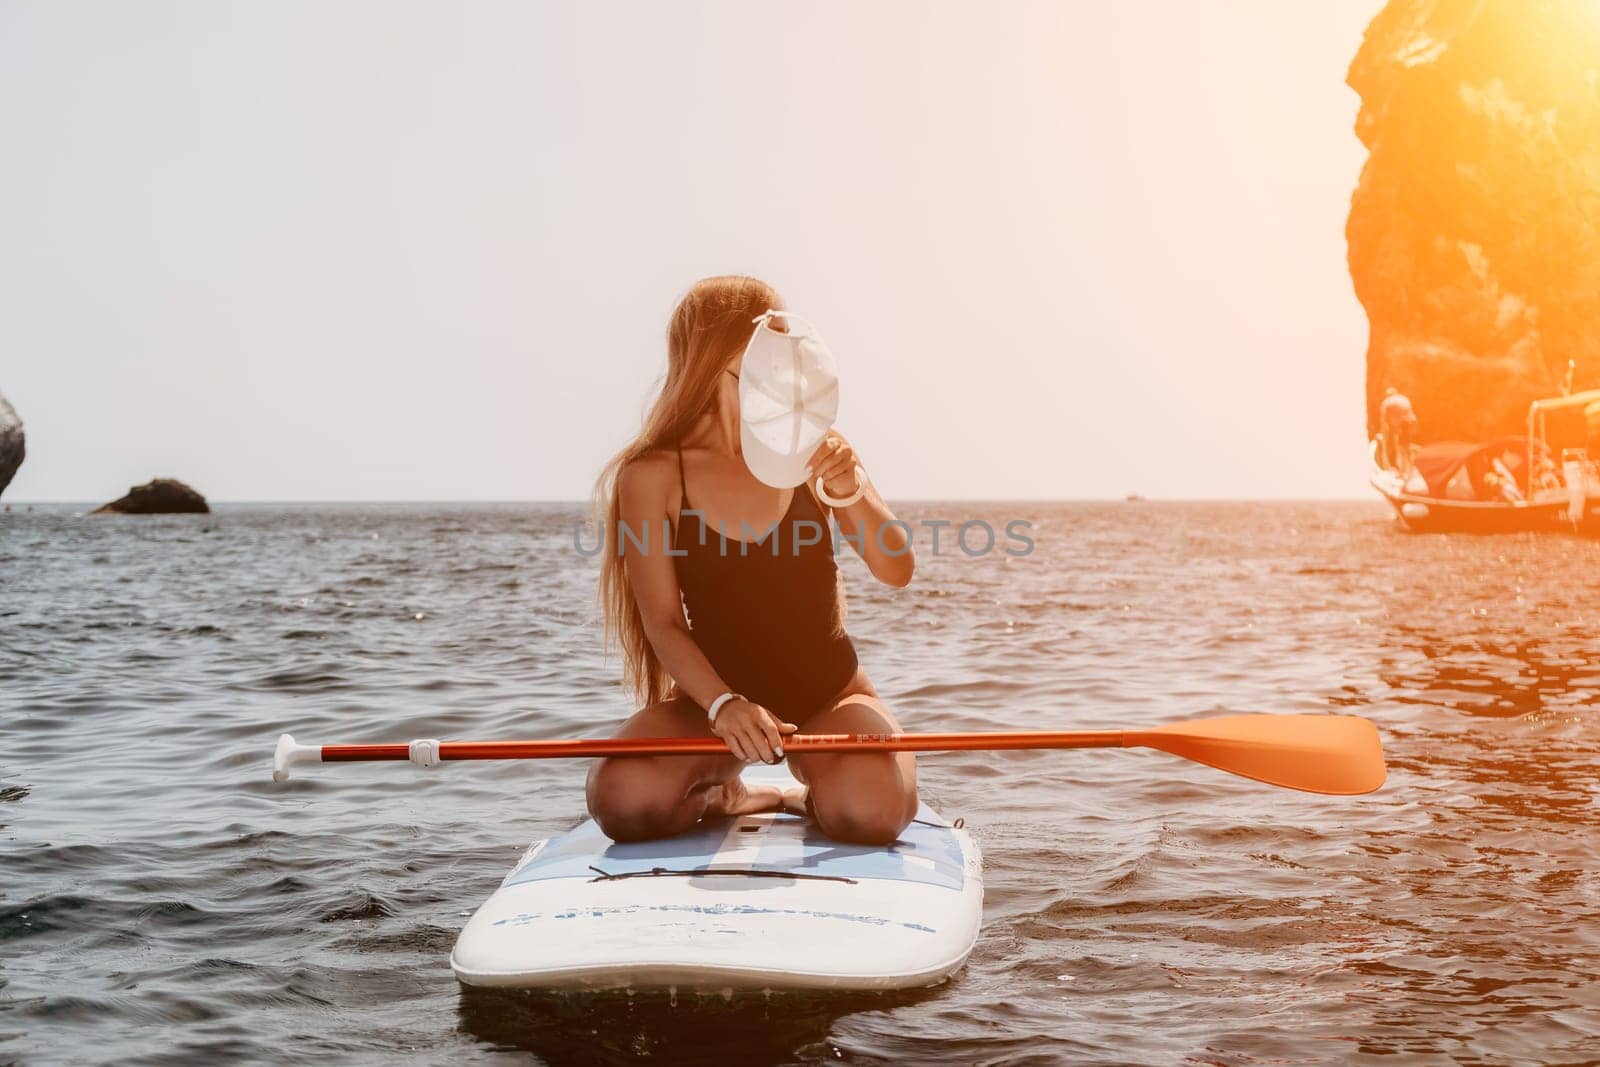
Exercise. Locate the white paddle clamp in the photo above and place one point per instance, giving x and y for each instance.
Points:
(425, 753)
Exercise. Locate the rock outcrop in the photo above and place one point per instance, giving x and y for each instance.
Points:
(1475, 230)
(162, 496)
(12, 448)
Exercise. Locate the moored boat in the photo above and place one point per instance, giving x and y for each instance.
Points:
(1454, 486)
(1508, 485)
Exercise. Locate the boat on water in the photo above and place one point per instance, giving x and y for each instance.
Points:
(1507, 485)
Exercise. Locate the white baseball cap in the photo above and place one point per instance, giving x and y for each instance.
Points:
(788, 399)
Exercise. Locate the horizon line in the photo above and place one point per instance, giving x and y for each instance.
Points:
(579, 502)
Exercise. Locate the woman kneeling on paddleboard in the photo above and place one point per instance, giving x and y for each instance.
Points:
(723, 594)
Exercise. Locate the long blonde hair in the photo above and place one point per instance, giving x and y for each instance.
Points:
(711, 325)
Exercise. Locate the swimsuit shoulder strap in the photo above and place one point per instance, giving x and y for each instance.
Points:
(683, 485)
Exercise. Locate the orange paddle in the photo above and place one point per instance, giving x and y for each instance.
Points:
(1337, 754)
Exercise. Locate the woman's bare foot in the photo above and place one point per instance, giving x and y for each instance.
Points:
(794, 800)
(733, 797)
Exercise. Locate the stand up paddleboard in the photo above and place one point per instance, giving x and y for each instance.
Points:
(757, 902)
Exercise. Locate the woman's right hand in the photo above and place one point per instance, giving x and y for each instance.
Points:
(751, 731)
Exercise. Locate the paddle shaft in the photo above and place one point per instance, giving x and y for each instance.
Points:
(1336, 754)
(578, 748)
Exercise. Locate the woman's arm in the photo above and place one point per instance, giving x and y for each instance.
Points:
(868, 524)
(752, 731)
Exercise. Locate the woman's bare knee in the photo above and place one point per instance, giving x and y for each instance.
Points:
(637, 798)
(632, 804)
(863, 800)
(632, 818)
(858, 798)
(861, 825)
(631, 800)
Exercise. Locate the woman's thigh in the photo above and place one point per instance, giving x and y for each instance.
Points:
(874, 793)
(854, 713)
(660, 778)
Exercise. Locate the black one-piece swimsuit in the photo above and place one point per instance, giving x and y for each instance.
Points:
(767, 613)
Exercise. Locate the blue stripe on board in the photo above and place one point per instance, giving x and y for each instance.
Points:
(925, 855)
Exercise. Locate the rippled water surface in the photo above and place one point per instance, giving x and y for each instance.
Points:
(162, 900)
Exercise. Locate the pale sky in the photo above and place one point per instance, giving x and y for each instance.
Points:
(383, 250)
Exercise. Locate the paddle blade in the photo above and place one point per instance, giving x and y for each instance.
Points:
(1337, 754)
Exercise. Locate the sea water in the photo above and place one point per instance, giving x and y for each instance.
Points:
(161, 900)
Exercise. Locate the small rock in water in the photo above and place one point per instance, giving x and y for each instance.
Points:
(160, 496)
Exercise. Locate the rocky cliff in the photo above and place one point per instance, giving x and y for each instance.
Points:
(11, 443)
(1474, 232)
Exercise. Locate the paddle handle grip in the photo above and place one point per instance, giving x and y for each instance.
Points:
(290, 752)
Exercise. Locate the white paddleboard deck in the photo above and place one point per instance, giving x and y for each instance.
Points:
(758, 902)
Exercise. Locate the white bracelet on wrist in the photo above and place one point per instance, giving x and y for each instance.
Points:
(861, 489)
(716, 705)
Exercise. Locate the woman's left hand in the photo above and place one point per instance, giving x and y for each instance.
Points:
(835, 462)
